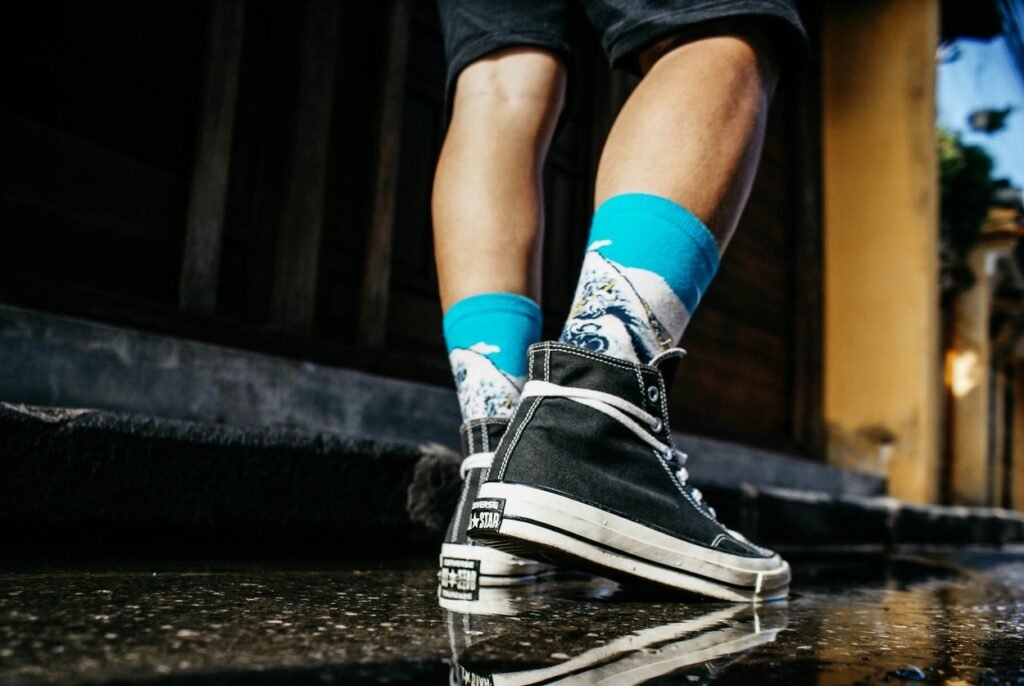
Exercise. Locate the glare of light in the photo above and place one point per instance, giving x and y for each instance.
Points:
(964, 372)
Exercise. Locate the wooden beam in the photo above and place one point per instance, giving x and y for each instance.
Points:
(373, 297)
(293, 301)
(207, 205)
(806, 254)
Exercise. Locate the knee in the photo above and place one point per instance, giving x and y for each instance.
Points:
(521, 81)
(742, 46)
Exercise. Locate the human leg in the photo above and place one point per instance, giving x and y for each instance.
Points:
(691, 132)
(488, 219)
(488, 200)
(674, 176)
(591, 476)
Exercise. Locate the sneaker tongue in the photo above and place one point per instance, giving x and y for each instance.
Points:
(667, 363)
(670, 354)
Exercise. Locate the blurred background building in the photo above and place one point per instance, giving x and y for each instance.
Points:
(219, 211)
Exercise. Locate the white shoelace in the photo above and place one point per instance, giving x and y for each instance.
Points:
(625, 413)
(475, 461)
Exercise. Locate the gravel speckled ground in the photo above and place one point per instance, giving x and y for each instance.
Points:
(935, 618)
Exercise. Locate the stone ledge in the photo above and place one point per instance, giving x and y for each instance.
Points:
(67, 362)
(718, 462)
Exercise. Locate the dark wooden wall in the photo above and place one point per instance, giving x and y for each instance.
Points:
(753, 372)
(258, 174)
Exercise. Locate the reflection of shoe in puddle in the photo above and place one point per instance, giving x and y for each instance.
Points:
(464, 594)
(697, 648)
(488, 617)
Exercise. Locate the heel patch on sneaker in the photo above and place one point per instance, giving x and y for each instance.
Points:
(486, 514)
(460, 578)
(473, 679)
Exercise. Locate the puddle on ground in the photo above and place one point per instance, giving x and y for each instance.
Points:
(936, 619)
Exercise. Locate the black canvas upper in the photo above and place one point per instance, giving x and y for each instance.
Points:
(565, 447)
(477, 436)
(481, 435)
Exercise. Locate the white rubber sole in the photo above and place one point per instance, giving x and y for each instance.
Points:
(514, 599)
(526, 520)
(468, 573)
(477, 579)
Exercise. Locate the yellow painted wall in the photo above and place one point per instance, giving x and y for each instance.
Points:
(882, 368)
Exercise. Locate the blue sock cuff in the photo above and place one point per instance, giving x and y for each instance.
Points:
(510, 321)
(657, 207)
(491, 303)
(622, 220)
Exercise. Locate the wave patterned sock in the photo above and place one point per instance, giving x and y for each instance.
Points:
(648, 264)
(487, 336)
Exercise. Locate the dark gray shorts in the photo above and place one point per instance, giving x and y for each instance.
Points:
(474, 28)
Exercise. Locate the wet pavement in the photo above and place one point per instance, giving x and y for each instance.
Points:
(936, 618)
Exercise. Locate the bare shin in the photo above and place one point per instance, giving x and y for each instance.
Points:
(693, 128)
(487, 199)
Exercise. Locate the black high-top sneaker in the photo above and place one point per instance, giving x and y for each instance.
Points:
(466, 566)
(588, 475)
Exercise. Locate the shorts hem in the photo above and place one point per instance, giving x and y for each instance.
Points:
(644, 31)
(480, 47)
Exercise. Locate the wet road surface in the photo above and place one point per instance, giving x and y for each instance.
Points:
(937, 618)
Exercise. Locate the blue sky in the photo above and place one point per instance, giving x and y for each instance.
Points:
(984, 77)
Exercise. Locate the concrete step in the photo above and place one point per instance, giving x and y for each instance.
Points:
(787, 519)
(86, 476)
(73, 476)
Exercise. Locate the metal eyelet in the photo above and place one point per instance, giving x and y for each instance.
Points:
(652, 393)
(656, 426)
